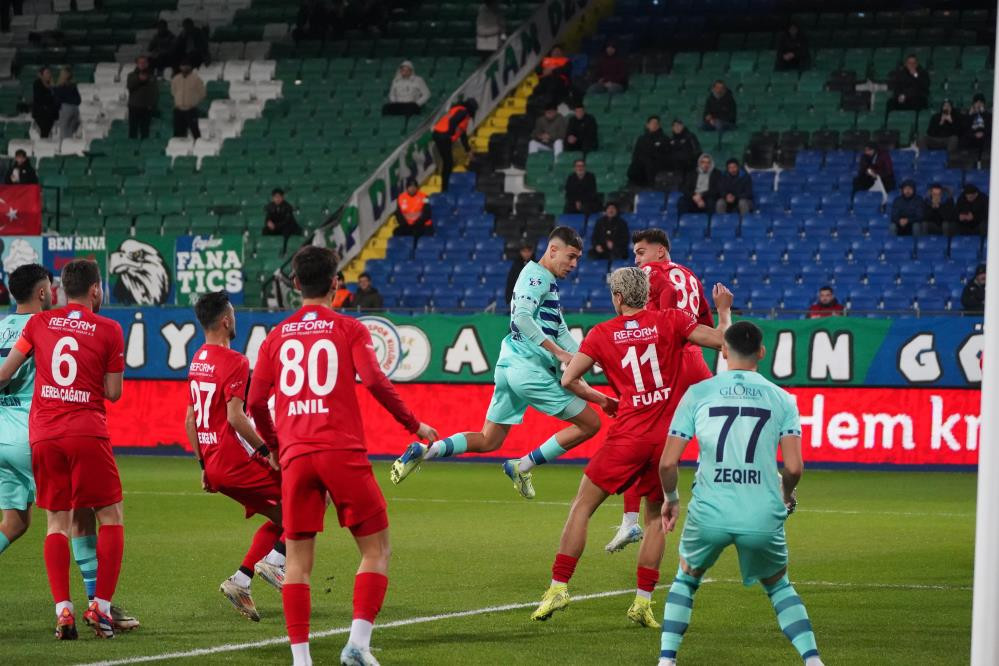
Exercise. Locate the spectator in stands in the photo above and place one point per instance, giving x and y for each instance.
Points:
(610, 236)
(490, 28)
(682, 150)
(875, 167)
(610, 74)
(549, 132)
(367, 297)
(735, 190)
(413, 214)
(143, 98)
(648, 158)
(450, 129)
(907, 211)
(581, 130)
(342, 298)
(68, 97)
(973, 296)
(279, 217)
(188, 91)
(792, 49)
(554, 87)
(20, 171)
(44, 107)
(525, 253)
(701, 187)
(5, 9)
(191, 45)
(161, 48)
(944, 129)
(408, 93)
(581, 194)
(314, 19)
(977, 130)
(910, 86)
(826, 306)
(972, 213)
(938, 211)
(719, 108)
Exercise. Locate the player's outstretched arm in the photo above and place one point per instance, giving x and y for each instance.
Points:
(113, 382)
(572, 381)
(723, 303)
(15, 359)
(706, 336)
(794, 467)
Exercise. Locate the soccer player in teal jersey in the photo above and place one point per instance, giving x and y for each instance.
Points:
(32, 291)
(527, 374)
(739, 419)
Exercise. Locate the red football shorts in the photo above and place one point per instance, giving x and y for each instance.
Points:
(75, 473)
(258, 488)
(347, 477)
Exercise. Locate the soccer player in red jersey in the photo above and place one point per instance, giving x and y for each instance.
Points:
(234, 459)
(79, 363)
(671, 286)
(641, 353)
(308, 362)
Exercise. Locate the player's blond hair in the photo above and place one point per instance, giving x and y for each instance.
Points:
(633, 285)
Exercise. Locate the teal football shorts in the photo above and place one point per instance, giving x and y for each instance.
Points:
(519, 387)
(17, 484)
(761, 555)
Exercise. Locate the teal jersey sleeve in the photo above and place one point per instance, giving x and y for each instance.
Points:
(15, 398)
(529, 292)
(535, 316)
(565, 339)
(683, 418)
(791, 422)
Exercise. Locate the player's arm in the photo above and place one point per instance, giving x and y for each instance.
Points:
(723, 303)
(524, 306)
(15, 359)
(261, 385)
(572, 381)
(240, 422)
(681, 431)
(112, 385)
(794, 467)
(191, 428)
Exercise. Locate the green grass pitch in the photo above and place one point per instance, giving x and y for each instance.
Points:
(882, 560)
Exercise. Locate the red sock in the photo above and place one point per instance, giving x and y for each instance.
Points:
(647, 579)
(56, 551)
(632, 501)
(564, 567)
(110, 549)
(297, 609)
(263, 541)
(369, 593)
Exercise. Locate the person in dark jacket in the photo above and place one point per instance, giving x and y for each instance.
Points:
(874, 164)
(581, 131)
(554, 85)
(719, 108)
(972, 210)
(161, 48)
(735, 190)
(67, 95)
(700, 188)
(682, 148)
(910, 87)
(44, 107)
(943, 130)
(190, 45)
(938, 211)
(907, 211)
(367, 297)
(581, 194)
(648, 158)
(977, 130)
(610, 74)
(524, 254)
(973, 296)
(610, 236)
(143, 98)
(20, 171)
(279, 217)
(792, 49)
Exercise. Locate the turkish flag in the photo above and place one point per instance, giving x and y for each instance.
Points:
(20, 210)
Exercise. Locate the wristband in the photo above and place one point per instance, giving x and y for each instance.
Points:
(202, 463)
(673, 497)
(263, 451)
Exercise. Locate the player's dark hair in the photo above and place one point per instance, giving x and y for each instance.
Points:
(568, 236)
(315, 268)
(78, 276)
(22, 281)
(210, 308)
(744, 338)
(825, 287)
(651, 235)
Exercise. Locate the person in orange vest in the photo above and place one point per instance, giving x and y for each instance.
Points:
(554, 85)
(413, 212)
(450, 129)
(343, 298)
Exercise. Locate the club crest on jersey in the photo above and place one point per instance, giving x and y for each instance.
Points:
(74, 314)
(310, 316)
(631, 324)
(535, 282)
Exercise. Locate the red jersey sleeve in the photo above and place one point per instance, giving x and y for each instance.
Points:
(681, 322)
(116, 349)
(236, 382)
(362, 350)
(260, 392)
(704, 311)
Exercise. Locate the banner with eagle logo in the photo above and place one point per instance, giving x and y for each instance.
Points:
(20, 210)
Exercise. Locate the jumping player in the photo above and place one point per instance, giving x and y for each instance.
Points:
(79, 363)
(640, 351)
(309, 362)
(234, 459)
(739, 419)
(527, 375)
(671, 286)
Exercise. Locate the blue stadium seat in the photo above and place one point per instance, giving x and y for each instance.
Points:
(914, 273)
(462, 182)
(471, 200)
(850, 227)
(933, 248)
(965, 248)
(785, 227)
(408, 268)
(863, 301)
(898, 249)
(573, 301)
(815, 273)
(427, 253)
(765, 296)
(932, 297)
(841, 160)
(693, 226)
(724, 226)
(810, 160)
(798, 297)
(801, 250)
(805, 203)
(437, 274)
(833, 249)
(475, 299)
(399, 249)
(495, 269)
(469, 272)
(650, 202)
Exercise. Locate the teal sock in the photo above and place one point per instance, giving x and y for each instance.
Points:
(547, 452)
(454, 445)
(676, 616)
(4, 542)
(85, 554)
(792, 617)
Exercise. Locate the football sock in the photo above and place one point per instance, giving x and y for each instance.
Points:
(369, 593)
(63, 604)
(297, 608)
(242, 577)
(4, 542)
(263, 543)
(360, 634)
(300, 654)
(792, 617)
(676, 617)
(56, 554)
(547, 452)
(630, 519)
(454, 445)
(275, 557)
(563, 568)
(85, 554)
(110, 549)
(647, 579)
(632, 505)
(103, 605)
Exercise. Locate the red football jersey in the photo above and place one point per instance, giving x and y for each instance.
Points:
(675, 286)
(309, 362)
(74, 348)
(642, 356)
(216, 376)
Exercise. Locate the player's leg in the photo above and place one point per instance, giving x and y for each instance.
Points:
(570, 548)
(17, 492)
(629, 531)
(84, 542)
(56, 554)
(296, 596)
(650, 556)
(110, 551)
(15, 523)
(271, 567)
(370, 585)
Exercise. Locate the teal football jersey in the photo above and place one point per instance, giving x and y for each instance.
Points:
(738, 418)
(15, 398)
(536, 306)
